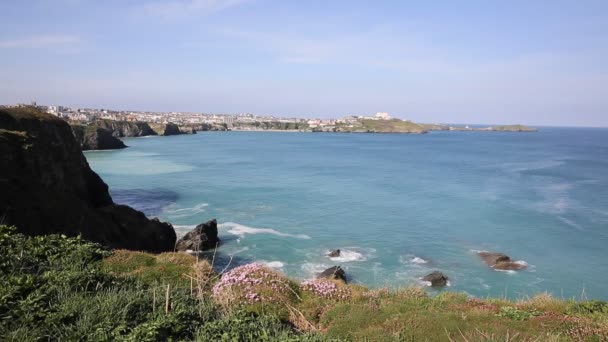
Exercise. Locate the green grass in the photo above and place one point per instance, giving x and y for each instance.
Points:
(382, 126)
(55, 288)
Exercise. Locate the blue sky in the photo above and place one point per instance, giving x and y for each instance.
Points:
(534, 62)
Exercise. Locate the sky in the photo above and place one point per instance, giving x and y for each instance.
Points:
(488, 61)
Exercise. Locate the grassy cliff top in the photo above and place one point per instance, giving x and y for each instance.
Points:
(514, 128)
(58, 288)
(383, 126)
(27, 112)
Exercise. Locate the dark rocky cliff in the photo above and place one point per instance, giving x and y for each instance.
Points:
(121, 129)
(96, 138)
(48, 187)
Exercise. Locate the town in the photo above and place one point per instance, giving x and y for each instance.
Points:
(241, 121)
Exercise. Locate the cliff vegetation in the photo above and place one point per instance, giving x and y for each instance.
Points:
(58, 288)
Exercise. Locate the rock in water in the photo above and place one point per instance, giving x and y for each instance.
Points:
(47, 187)
(334, 254)
(501, 261)
(436, 278)
(335, 272)
(201, 238)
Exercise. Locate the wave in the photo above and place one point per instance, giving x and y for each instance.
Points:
(241, 230)
(412, 259)
(182, 229)
(183, 212)
(311, 269)
(347, 255)
(273, 264)
(570, 223)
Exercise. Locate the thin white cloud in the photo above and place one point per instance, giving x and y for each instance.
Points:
(41, 42)
(179, 8)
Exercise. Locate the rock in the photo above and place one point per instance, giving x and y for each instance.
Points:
(201, 238)
(436, 278)
(96, 138)
(166, 129)
(335, 272)
(334, 254)
(122, 129)
(48, 187)
(501, 261)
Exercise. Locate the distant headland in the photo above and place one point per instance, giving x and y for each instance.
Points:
(99, 129)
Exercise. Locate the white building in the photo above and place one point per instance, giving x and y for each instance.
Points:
(382, 116)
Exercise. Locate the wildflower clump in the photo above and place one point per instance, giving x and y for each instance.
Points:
(251, 284)
(326, 289)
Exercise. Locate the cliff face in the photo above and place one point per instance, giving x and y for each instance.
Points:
(121, 129)
(96, 138)
(170, 129)
(48, 187)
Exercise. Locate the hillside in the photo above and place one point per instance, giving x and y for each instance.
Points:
(55, 288)
(382, 126)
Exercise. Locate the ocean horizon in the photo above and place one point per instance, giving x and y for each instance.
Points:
(398, 206)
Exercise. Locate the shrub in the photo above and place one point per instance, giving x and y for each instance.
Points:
(253, 284)
(326, 289)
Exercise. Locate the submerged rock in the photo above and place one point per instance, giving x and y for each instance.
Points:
(334, 253)
(436, 278)
(335, 272)
(201, 238)
(500, 261)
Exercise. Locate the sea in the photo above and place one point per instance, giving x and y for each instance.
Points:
(398, 206)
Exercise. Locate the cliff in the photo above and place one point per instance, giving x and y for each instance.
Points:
(171, 129)
(96, 138)
(121, 129)
(381, 126)
(48, 187)
(514, 128)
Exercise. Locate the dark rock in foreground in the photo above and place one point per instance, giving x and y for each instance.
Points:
(436, 278)
(335, 272)
(201, 238)
(334, 254)
(96, 138)
(48, 187)
(501, 261)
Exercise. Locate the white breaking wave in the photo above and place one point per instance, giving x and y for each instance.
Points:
(312, 269)
(412, 259)
(274, 264)
(197, 209)
(417, 260)
(347, 255)
(241, 230)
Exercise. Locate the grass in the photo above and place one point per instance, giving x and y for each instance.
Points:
(383, 126)
(56, 288)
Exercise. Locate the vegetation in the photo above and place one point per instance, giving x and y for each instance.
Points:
(382, 126)
(57, 288)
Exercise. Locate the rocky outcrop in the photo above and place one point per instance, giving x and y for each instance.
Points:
(499, 261)
(335, 272)
(48, 187)
(201, 238)
(96, 138)
(436, 279)
(166, 129)
(334, 253)
(123, 129)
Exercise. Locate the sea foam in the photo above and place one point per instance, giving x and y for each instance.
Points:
(347, 255)
(241, 230)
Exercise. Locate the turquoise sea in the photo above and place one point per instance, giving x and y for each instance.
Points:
(398, 206)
